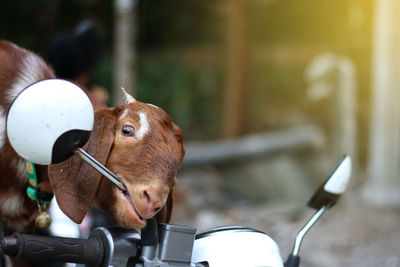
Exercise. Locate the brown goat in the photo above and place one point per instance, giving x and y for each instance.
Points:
(136, 141)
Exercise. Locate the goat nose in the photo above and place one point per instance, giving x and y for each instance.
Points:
(153, 201)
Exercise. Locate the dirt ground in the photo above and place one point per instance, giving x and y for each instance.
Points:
(350, 234)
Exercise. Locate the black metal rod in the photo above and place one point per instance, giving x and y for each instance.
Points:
(100, 168)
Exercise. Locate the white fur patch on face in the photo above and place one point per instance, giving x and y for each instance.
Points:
(144, 125)
(30, 72)
(2, 127)
(13, 206)
(124, 114)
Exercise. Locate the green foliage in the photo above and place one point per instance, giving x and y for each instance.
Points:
(175, 23)
(283, 37)
(187, 93)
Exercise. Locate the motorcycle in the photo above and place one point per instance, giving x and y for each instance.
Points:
(158, 245)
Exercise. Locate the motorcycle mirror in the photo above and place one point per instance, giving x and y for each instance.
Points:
(48, 120)
(330, 191)
(324, 198)
(51, 120)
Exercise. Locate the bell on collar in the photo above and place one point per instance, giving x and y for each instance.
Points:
(43, 220)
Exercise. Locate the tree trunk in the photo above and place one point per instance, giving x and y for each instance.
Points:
(382, 187)
(124, 55)
(233, 113)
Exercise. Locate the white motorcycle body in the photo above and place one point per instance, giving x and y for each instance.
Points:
(236, 246)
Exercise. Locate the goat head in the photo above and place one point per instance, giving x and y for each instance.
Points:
(141, 145)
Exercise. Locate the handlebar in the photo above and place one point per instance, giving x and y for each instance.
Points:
(54, 249)
(165, 245)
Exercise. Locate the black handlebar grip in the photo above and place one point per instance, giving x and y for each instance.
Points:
(56, 249)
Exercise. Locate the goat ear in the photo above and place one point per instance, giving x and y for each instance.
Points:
(75, 182)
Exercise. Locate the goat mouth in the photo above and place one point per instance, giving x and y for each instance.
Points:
(128, 198)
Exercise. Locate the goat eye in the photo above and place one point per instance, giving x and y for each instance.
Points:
(128, 130)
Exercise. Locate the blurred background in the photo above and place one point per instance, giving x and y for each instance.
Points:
(270, 95)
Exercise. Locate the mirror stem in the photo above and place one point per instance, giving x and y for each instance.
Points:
(304, 230)
(100, 168)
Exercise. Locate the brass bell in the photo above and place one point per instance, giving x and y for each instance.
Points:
(43, 220)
